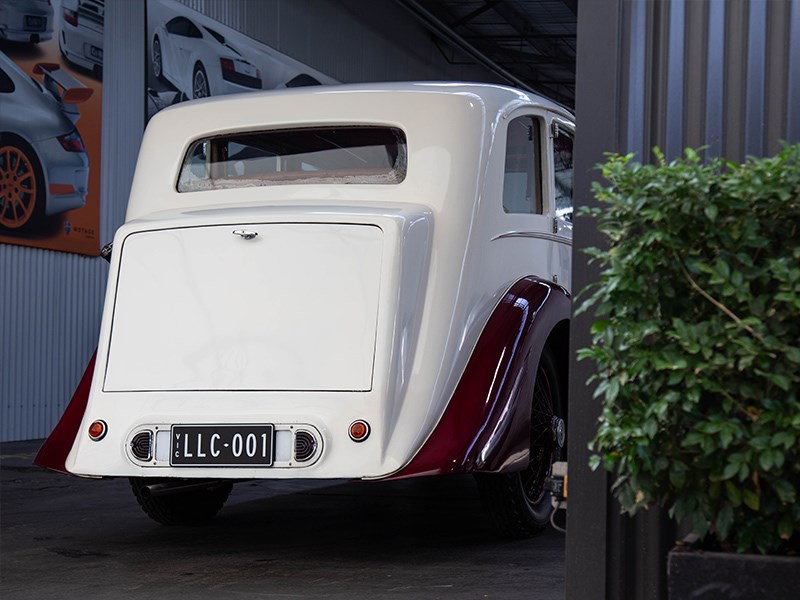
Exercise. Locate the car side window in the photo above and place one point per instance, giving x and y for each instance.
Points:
(192, 31)
(178, 26)
(562, 162)
(6, 85)
(522, 181)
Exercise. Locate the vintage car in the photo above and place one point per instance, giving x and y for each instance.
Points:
(44, 168)
(364, 281)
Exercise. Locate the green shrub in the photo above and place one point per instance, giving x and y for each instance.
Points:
(697, 344)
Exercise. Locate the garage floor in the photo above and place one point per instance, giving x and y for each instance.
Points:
(64, 537)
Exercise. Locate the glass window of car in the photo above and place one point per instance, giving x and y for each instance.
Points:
(6, 84)
(184, 27)
(331, 155)
(176, 26)
(194, 32)
(562, 162)
(216, 35)
(522, 182)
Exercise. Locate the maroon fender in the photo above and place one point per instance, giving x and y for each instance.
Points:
(486, 425)
(53, 453)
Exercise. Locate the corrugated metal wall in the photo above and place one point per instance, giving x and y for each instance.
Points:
(350, 40)
(718, 73)
(51, 301)
(51, 313)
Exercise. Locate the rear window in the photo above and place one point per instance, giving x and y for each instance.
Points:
(332, 155)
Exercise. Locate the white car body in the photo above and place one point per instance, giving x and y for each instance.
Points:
(311, 305)
(26, 20)
(50, 171)
(182, 51)
(81, 32)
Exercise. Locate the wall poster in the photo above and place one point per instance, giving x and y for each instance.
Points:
(51, 61)
(192, 56)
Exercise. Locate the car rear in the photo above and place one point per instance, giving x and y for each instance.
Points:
(248, 345)
(81, 32)
(257, 341)
(26, 20)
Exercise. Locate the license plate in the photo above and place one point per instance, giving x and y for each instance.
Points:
(222, 445)
(34, 22)
(96, 52)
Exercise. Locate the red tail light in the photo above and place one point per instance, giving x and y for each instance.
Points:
(71, 142)
(71, 17)
(359, 430)
(98, 430)
(226, 64)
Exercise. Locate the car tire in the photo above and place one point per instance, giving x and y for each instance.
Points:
(190, 507)
(200, 86)
(22, 188)
(518, 503)
(157, 59)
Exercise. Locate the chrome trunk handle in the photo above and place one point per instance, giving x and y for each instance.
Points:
(244, 234)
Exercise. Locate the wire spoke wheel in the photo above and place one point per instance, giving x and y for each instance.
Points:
(518, 503)
(19, 188)
(542, 442)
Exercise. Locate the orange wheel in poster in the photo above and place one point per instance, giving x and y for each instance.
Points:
(21, 185)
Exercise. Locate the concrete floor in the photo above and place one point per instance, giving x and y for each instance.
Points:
(64, 537)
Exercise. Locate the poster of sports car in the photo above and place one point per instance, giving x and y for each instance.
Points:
(193, 56)
(51, 56)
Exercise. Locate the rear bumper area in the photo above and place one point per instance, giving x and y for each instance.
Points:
(275, 329)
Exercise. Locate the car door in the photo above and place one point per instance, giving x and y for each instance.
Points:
(561, 138)
(526, 201)
(178, 33)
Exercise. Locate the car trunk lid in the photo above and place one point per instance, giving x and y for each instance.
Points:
(266, 306)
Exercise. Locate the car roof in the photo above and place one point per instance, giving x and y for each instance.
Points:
(450, 129)
(14, 71)
(494, 98)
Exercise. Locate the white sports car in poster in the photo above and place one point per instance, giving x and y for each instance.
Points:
(193, 56)
(199, 61)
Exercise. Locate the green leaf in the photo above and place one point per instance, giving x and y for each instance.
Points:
(724, 521)
(751, 499)
(765, 459)
(733, 493)
(711, 212)
(782, 381)
(699, 524)
(778, 458)
(785, 490)
(730, 470)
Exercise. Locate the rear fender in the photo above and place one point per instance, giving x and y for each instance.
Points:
(53, 453)
(486, 425)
